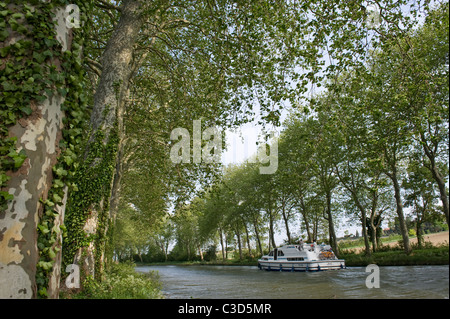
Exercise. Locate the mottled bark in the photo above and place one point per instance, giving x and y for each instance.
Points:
(109, 101)
(38, 136)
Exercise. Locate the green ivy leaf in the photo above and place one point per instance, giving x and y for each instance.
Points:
(3, 35)
(57, 183)
(6, 195)
(27, 110)
(9, 86)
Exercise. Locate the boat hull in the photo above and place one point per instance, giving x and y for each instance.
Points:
(316, 265)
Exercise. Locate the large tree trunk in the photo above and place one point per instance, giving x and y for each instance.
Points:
(306, 220)
(258, 239)
(222, 245)
(106, 121)
(364, 229)
(401, 217)
(38, 135)
(271, 231)
(238, 235)
(332, 232)
(443, 192)
(442, 189)
(286, 221)
(431, 154)
(247, 237)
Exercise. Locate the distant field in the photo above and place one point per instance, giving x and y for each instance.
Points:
(435, 239)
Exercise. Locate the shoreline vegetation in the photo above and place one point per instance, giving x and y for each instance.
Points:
(123, 281)
(433, 252)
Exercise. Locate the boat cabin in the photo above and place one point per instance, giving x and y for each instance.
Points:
(303, 252)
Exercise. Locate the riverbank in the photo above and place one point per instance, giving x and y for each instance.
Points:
(397, 257)
(393, 257)
(434, 239)
(121, 281)
(435, 252)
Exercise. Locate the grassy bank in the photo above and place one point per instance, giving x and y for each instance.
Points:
(427, 256)
(391, 252)
(120, 282)
(387, 256)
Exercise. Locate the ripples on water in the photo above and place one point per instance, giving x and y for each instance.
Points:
(245, 282)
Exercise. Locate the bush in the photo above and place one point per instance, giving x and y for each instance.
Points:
(211, 253)
(122, 282)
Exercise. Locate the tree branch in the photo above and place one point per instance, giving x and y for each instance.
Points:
(106, 5)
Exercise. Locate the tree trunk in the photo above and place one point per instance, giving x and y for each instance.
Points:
(248, 240)
(222, 244)
(332, 233)
(442, 190)
(286, 222)
(271, 224)
(200, 252)
(364, 231)
(373, 234)
(238, 235)
(363, 222)
(401, 217)
(106, 120)
(271, 232)
(226, 246)
(373, 227)
(436, 175)
(38, 136)
(351, 187)
(306, 221)
(258, 240)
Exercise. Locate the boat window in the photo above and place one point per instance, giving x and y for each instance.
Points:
(280, 253)
(295, 259)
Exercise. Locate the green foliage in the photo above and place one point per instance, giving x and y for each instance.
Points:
(375, 120)
(93, 176)
(121, 282)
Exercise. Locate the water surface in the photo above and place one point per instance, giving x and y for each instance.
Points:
(247, 282)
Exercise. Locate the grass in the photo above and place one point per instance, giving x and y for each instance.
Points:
(397, 257)
(120, 282)
(357, 243)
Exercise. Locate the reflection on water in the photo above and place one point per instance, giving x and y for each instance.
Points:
(245, 282)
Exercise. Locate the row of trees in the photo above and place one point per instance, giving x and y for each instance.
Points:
(91, 91)
(373, 147)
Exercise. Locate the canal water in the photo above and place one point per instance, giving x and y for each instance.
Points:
(247, 282)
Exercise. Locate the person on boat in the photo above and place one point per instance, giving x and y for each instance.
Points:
(301, 244)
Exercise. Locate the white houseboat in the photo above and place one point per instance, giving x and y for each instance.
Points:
(305, 257)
